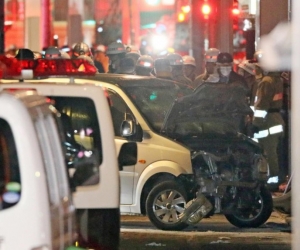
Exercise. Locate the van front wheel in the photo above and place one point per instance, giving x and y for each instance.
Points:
(165, 202)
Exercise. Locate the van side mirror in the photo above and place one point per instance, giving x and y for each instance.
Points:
(127, 155)
(131, 130)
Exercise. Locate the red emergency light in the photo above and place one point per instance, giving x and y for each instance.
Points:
(29, 68)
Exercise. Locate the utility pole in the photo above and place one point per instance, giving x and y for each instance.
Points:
(224, 26)
(197, 34)
(46, 24)
(2, 37)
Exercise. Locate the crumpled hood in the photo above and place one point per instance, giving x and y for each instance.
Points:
(213, 111)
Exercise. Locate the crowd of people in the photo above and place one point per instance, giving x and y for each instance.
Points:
(261, 91)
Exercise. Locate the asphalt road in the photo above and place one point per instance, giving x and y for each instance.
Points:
(214, 233)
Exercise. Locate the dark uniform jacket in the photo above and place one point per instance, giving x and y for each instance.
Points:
(267, 105)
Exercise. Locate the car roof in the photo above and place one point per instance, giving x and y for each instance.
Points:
(124, 80)
(120, 80)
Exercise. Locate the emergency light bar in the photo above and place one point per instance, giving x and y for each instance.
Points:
(30, 68)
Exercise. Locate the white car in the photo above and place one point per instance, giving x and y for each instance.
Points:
(160, 182)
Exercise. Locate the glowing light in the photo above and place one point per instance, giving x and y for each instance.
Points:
(235, 11)
(152, 2)
(181, 17)
(159, 42)
(206, 9)
(186, 9)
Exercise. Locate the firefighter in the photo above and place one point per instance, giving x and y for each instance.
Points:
(162, 68)
(144, 66)
(189, 67)
(116, 52)
(230, 92)
(210, 59)
(52, 53)
(101, 58)
(247, 69)
(80, 49)
(224, 67)
(24, 53)
(268, 122)
(176, 63)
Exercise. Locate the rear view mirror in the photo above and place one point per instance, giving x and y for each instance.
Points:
(127, 155)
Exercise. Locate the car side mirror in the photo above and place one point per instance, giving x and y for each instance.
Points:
(127, 155)
(131, 130)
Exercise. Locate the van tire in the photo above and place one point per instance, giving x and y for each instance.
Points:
(171, 197)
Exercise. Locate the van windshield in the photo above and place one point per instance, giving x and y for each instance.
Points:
(155, 100)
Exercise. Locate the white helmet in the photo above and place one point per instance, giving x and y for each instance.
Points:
(100, 48)
(189, 60)
(211, 55)
(247, 66)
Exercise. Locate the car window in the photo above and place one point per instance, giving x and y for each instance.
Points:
(119, 110)
(81, 131)
(10, 179)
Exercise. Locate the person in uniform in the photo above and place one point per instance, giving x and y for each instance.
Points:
(189, 67)
(267, 120)
(116, 52)
(210, 59)
(144, 66)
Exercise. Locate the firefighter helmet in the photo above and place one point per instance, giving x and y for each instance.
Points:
(175, 59)
(81, 49)
(145, 61)
(247, 66)
(24, 53)
(189, 60)
(115, 48)
(134, 55)
(52, 52)
(211, 55)
(162, 68)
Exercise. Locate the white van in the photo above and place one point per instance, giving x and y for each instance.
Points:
(163, 168)
(36, 209)
(87, 127)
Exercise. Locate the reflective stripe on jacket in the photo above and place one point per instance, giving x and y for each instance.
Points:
(273, 130)
(268, 102)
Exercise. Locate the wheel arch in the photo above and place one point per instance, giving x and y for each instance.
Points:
(149, 184)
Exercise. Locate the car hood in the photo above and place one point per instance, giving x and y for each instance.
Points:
(212, 111)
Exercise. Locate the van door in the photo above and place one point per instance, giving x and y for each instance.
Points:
(62, 209)
(119, 110)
